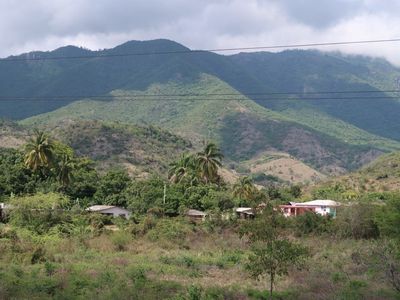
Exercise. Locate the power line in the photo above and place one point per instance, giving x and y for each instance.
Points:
(298, 93)
(141, 98)
(202, 51)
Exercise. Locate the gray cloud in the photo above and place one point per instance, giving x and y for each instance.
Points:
(27, 25)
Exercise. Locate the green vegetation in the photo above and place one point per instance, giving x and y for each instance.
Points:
(52, 248)
(233, 110)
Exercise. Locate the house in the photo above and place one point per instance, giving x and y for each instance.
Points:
(110, 210)
(196, 215)
(244, 212)
(321, 207)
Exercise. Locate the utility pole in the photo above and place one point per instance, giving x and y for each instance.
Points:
(165, 192)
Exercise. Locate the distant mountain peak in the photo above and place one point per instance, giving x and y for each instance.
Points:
(157, 45)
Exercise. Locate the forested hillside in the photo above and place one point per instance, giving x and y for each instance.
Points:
(241, 101)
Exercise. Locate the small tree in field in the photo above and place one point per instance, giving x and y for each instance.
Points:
(275, 258)
(271, 255)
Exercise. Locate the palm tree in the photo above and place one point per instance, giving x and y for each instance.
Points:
(64, 170)
(39, 151)
(183, 169)
(245, 189)
(208, 162)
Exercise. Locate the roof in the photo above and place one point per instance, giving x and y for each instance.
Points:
(195, 212)
(244, 209)
(318, 202)
(103, 207)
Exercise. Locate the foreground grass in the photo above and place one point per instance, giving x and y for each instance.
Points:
(172, 260)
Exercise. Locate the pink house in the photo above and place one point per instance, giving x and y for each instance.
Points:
(321, 207)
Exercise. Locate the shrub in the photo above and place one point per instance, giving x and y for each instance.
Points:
(40, 212)
(120, 240)
(312, 223)
(357, 221)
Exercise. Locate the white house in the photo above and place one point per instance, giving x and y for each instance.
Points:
(321, 207)
(110, 210)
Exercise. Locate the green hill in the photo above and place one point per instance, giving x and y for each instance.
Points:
(140, 149)
(243, 128)
(380, 176)
(330, 135)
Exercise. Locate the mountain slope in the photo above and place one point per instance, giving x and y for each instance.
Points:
(313, 71)
(140, 149)
(241, 127)
(331, 135)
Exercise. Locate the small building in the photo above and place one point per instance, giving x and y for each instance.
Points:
(110, 210)
(244, 212)
(321, 207)
(196, 215)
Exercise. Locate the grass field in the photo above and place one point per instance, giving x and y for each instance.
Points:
(173, 259)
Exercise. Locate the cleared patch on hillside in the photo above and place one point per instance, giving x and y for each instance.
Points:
(284, 167)
(381, 175)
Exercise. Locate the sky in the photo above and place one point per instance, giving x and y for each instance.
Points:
(27, 25)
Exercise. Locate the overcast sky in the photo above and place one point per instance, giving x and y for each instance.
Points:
(27, 25)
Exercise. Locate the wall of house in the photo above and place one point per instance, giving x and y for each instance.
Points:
(116, 212)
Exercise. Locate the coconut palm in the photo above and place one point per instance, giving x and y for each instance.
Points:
(208, 162)
(39, 151)
(183, 169)
(64, 170)
(245, 189)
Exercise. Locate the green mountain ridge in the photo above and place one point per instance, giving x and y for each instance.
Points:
(243, 128)
(235, 108)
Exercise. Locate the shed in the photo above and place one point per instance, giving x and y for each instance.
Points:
(196, 215)
(110, 210)
(244, 212)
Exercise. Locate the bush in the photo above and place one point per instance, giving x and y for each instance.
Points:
(357, 221)
(40, 212)
(312, 223)
(120, 240)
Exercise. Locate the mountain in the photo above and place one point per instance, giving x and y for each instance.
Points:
(229, 99)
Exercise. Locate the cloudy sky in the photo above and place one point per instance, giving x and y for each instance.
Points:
(27, 25)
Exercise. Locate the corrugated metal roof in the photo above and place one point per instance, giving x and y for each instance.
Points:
(195, 212)
(100, 207)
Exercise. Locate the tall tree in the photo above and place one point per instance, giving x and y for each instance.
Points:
(39, 151)
(208, 161)
(64, 170)
(244, 189)
(184, 169)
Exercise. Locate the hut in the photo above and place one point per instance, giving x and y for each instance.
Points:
(110, 210)
(196, 215)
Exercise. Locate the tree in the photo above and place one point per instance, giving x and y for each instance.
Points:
(208, 161)
(112, 187)
(184, 170)
(39, 151)
(275, 258)
(64, 170)
(244, 189)
(271, 254)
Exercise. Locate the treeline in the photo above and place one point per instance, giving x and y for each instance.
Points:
(46, 165)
